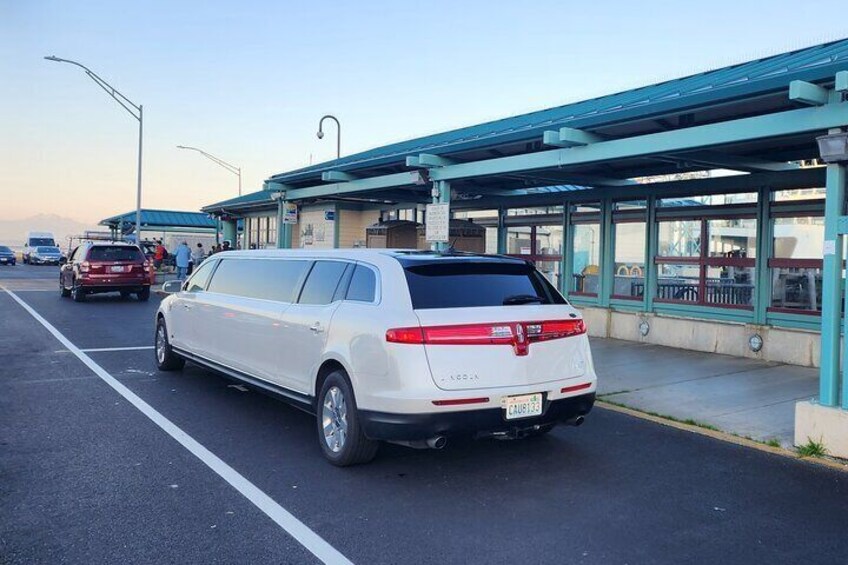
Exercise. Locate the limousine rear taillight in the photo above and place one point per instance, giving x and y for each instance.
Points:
(517, 334)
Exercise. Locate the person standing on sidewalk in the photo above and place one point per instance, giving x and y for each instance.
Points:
(182, 256)
(198, 255)
(159, 255)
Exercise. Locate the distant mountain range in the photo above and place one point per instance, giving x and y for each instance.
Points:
(13, 232)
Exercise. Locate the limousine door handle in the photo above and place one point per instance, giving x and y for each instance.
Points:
(316, 328)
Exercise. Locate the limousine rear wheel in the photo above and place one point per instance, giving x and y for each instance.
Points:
(166, 359)
(339, 431)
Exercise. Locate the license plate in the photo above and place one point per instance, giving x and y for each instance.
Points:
(117, 269)
(523, 406)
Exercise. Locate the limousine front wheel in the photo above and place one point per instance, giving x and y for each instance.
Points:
(166, 359)
(339, 431)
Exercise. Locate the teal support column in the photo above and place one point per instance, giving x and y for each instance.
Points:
(762, 274)
(568, 252)
(502, 232)
(831, 286)
(563, 252)
(230, 230)
(649, 273)
(280, 226)
(607, 261)
(337, 212)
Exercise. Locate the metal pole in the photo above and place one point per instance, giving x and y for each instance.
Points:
(338, 132)
(138, 191)
(239, 175)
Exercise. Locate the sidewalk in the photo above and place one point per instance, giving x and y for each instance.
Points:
(741, 396)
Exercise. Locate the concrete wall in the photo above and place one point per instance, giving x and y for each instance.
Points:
(352, 224)
(313, 230)
(782, 345)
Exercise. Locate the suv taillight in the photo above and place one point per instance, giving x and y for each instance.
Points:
(517, 334)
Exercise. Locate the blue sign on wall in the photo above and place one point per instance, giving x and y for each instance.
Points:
(329, 215)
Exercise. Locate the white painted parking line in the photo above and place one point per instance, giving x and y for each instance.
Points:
(283, 518)
(106, 349)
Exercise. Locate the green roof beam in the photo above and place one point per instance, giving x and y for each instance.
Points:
(429, 160)
(396, 180)
(804, 120)
(413, 162)
(733, 162)
(807, 93)
(570, 137)
(337, 176)
(841, 81)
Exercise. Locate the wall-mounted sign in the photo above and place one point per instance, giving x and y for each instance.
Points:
(289, 213)
(438, 222)
(330, 215)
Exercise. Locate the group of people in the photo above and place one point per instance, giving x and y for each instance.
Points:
(186, 258)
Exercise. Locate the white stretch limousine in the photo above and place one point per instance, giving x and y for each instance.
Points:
(410, 347)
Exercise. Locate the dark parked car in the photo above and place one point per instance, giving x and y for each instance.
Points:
(7, 256)
(95, 268)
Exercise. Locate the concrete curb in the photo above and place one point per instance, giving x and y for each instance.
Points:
(724, 436)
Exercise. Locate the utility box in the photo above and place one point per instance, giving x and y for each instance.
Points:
(464, 235)
(392, 234)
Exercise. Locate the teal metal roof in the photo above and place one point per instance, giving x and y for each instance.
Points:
(164, 219)
(749, 80)
(246, 200)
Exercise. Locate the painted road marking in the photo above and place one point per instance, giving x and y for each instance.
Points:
(294, 527)
(104, 349)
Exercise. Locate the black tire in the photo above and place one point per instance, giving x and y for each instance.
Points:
(355, 448)
(144, 294)
(78, 294)
(166, 359)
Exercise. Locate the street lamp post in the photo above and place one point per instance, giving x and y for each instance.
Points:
(338, 133)
(232, 168)
(136, 111)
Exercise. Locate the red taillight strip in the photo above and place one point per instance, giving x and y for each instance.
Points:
(575, 388)
(488, 333)
(459, 401)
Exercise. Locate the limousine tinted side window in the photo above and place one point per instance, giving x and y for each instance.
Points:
(268, 279)
(363, 285)
(322, 282)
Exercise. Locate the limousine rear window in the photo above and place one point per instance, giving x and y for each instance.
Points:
(466, 284)
(259, 278)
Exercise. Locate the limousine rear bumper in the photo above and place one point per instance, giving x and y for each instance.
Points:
(387, 426)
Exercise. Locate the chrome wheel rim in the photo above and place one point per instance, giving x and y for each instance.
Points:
(334, 419)
(161, 342)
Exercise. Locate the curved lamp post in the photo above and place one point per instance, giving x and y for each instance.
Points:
(136, 111)
(232, 168)
(338, 130)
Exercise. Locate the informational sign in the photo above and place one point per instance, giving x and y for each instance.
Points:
(329, 215)
(289, 213)
(438, 222)
(829, 247)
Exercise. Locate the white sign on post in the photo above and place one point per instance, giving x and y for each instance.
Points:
(289, 213)
(438, 223)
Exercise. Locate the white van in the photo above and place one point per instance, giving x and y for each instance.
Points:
(410, 347)
(37, 239)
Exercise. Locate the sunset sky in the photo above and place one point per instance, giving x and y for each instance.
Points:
(248, 81)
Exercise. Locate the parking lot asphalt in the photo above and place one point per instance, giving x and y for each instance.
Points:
(86, 477)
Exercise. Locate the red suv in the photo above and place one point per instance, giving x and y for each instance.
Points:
(96, 267)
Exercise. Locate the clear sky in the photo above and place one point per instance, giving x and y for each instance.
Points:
(248, 80)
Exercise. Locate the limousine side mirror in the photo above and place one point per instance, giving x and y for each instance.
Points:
(172, 287)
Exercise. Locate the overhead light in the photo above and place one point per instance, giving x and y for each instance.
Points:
(834, 147)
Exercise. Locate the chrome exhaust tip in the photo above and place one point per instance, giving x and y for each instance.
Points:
(576, 421)
(437, 442)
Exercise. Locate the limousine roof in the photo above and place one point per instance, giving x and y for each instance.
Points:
(404, 256)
